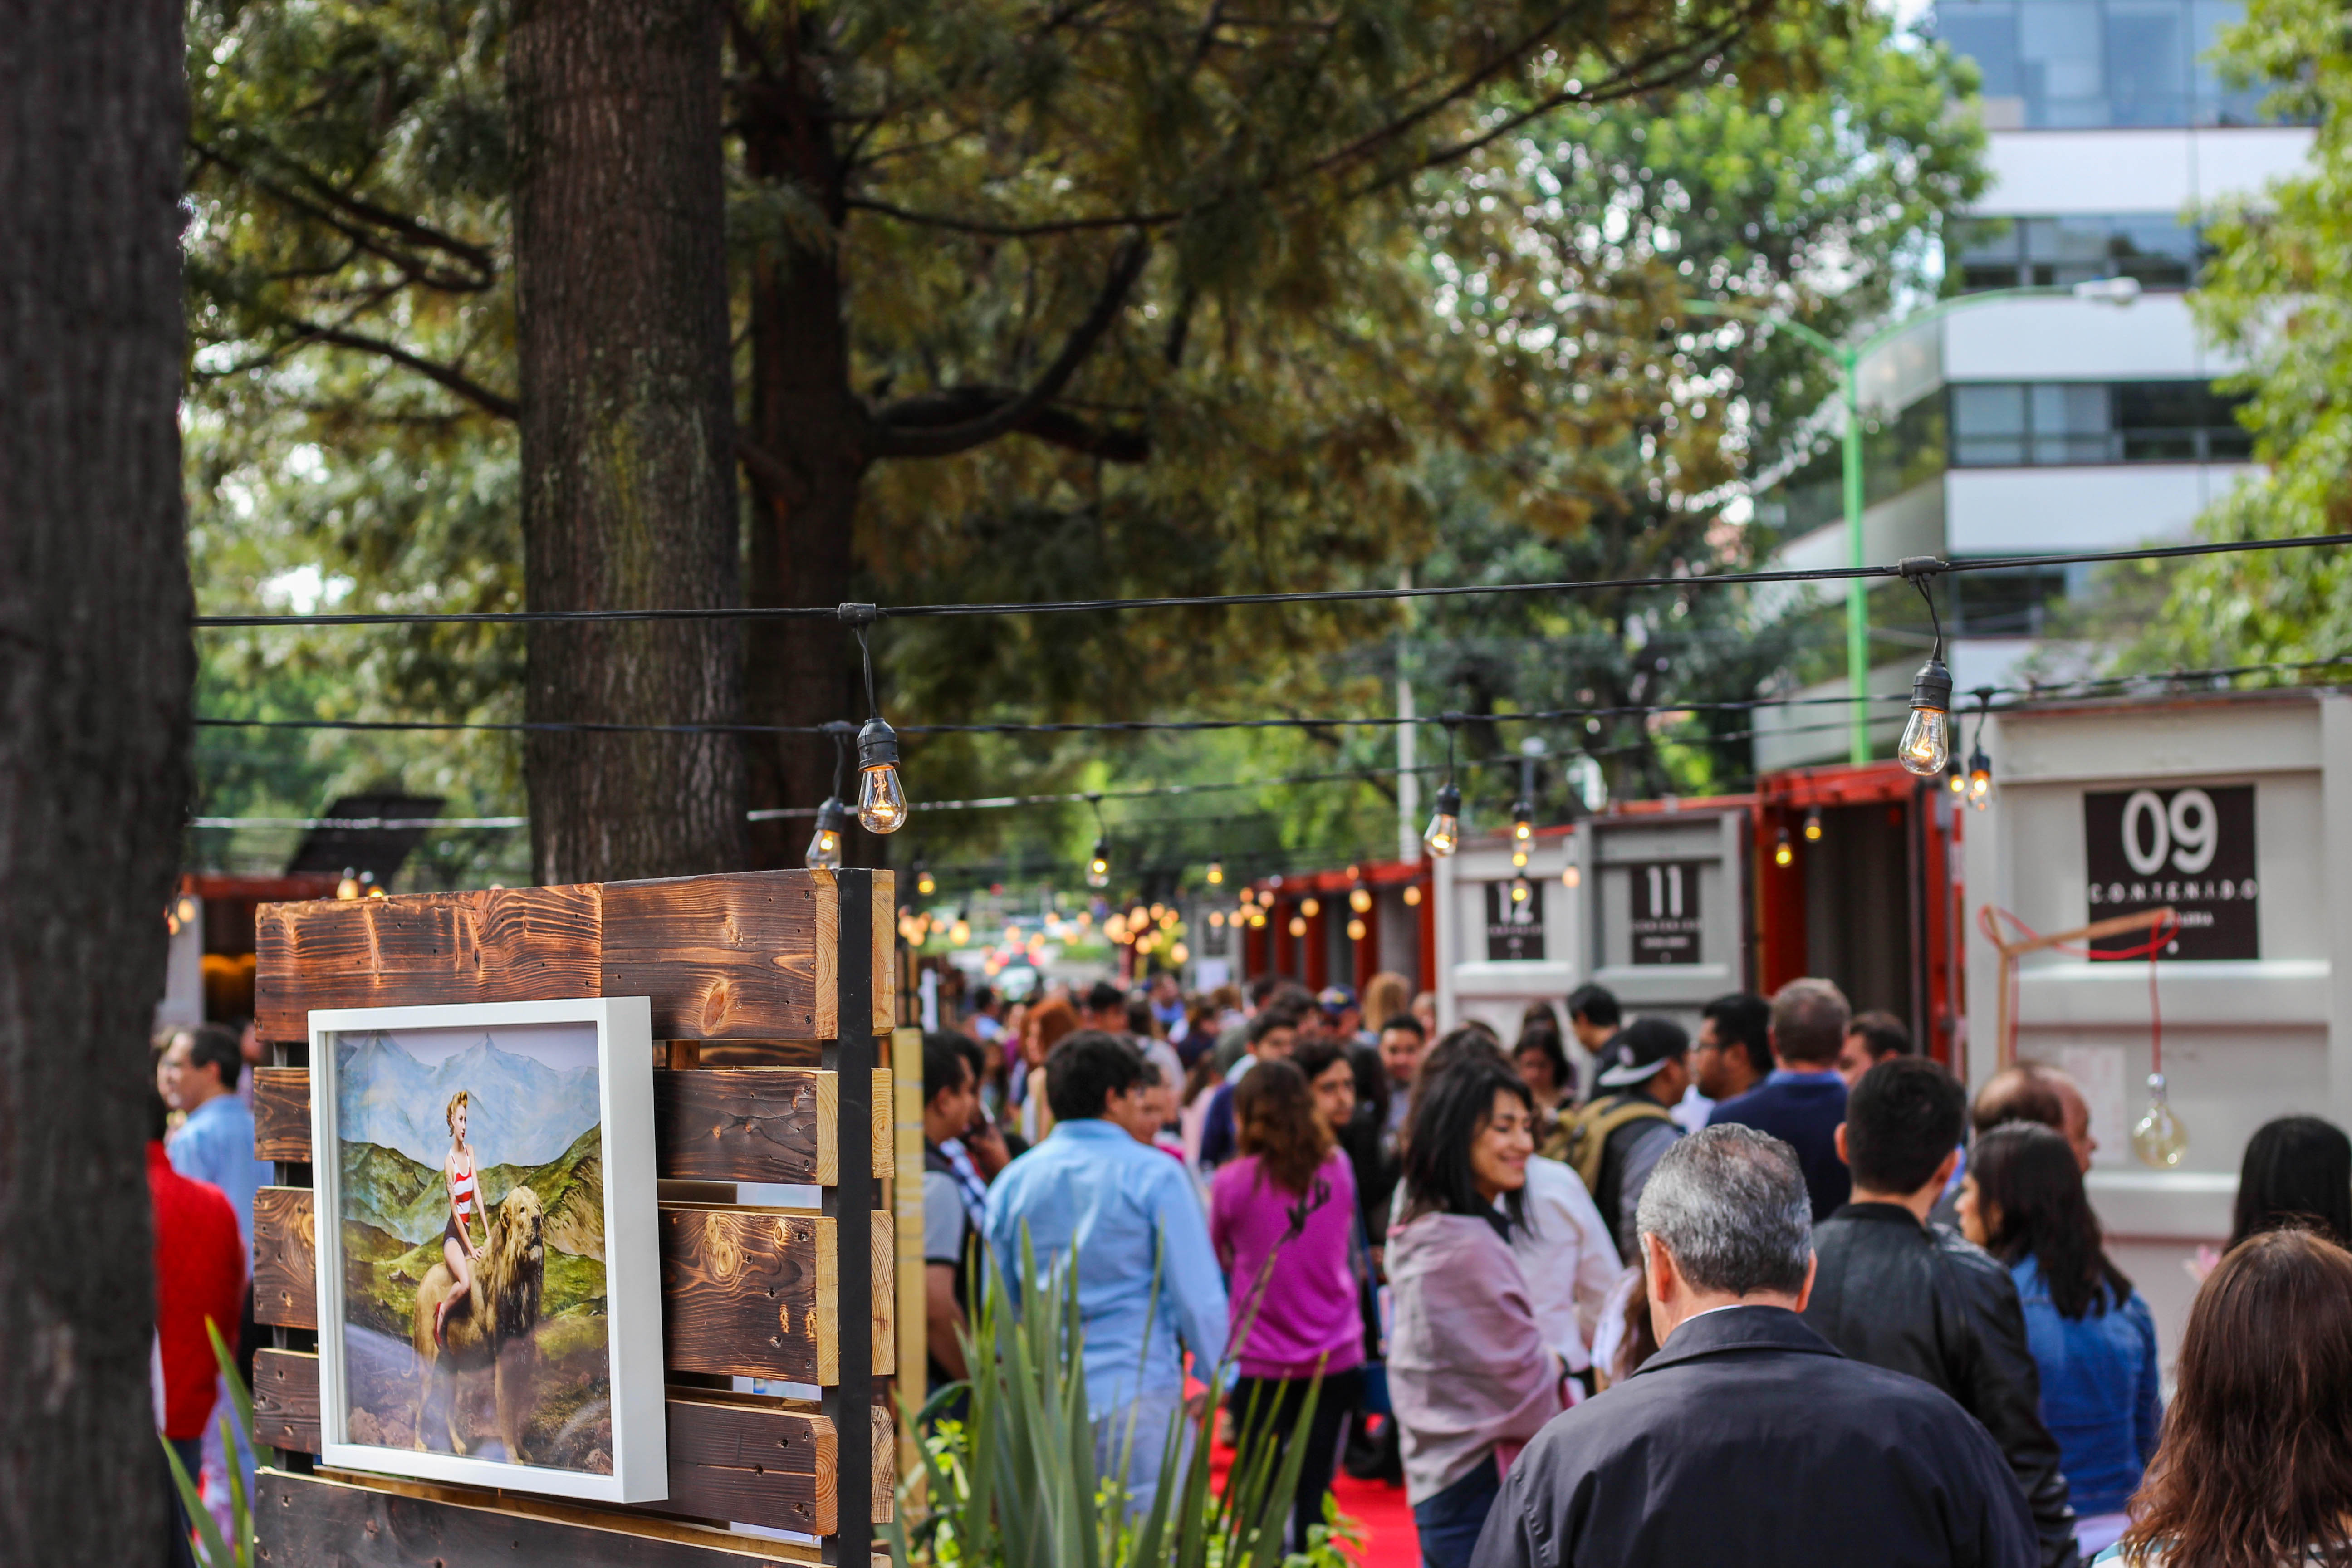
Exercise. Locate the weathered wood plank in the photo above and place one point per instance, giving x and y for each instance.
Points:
(286, 1400)
(285, 1254)
(884, 1498)
(740, 1286)
(761, 1462)
(742, 1457)
(711, 1124)
(302, 1521)
(732, 957)
(741, 1124)
(506, 944)
(886, 952)
(281, 1114)
(740, 1292)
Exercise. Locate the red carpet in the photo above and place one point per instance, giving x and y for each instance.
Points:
(1381, 1516)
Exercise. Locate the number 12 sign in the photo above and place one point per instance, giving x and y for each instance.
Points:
(2192, 848)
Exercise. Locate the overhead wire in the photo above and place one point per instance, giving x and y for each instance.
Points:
(864, 613)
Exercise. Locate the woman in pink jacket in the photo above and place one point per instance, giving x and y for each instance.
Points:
(1469, 1371)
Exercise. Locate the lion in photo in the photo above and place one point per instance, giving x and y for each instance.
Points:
(493, 1329)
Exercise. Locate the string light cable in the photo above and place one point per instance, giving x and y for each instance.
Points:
(2032, 692)
(862, 615)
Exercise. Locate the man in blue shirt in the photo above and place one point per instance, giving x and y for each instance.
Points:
(215, 1143)
(1098, 1196)
(1802, 1100)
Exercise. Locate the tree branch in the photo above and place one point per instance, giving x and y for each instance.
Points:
(448, 376)
(929, 426)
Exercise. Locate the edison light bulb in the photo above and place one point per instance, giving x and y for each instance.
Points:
(824, 844)
(1216, 874)
(1355, 931)
(1179, 953)
(1310, 907)
(1957, 779)
(1782, 852)
(1519, 890)
(1257, 919)
(924, 884)
(1523, 826)
(1927, 742)
(1098, 865)
(881, 799)
(1814, 827)
(960, 933)
(1979, 779)
(1298, 925)
(1360, 899)
(2158, 1137)
(348, 887)
(1519, 858)
(1571, 876)
(1216, 920)
(1444, 834)
(1413, 895)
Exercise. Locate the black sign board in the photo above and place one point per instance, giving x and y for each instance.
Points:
(1665, 911)
(1515, 926)
(2192, 848)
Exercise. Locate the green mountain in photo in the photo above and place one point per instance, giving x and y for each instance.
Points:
(386, 1191)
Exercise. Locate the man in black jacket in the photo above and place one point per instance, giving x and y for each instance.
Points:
(1900, 1293)
(1747, 1439)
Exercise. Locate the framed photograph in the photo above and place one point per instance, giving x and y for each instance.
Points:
(489, 1298)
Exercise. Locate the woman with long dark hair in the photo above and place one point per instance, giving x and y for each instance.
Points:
(2255, 1469)
(2297, 1172)
(2091, 1335)
(1469, 1372)
(1282, 1217)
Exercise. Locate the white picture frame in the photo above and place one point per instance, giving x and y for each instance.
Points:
(631, 1264)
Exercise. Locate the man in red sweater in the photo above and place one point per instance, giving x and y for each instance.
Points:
(199, 1275)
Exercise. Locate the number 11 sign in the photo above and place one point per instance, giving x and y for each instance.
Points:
(1665, 911)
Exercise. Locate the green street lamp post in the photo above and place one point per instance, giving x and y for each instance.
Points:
(1848, 358)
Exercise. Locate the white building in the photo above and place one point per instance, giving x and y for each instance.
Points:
(2050, 425)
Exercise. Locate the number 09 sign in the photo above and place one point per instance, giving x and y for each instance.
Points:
(2191, 847)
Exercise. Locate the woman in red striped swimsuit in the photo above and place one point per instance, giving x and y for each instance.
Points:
(458, 1246)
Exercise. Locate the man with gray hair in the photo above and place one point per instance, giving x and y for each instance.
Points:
(1802, 1099)
(1748, 1438)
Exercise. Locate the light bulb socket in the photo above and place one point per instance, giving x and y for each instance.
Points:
(1979, 763)
(832, 816)
(1932, 686)
(877, 744)
(1449, 799)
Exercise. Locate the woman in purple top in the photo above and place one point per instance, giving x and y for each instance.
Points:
(1281, 1217)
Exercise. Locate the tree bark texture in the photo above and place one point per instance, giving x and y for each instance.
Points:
(803, 521)
(95, 675)
(628, 483)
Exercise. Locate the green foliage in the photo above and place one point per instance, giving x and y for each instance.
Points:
(1409, 302)
(212, 1548)
(2277, 295)
(1012, 1482)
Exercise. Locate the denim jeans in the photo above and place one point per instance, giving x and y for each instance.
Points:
(1449, 1522)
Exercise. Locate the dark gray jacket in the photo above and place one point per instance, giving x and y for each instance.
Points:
(1919, 1299)
(1749, 1440)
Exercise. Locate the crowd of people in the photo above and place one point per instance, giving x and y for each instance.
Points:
(1781, 1293)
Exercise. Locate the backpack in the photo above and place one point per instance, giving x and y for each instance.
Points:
(1585, 1142)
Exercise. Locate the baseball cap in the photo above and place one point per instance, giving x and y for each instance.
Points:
(1637, 1052)
(1335, 999)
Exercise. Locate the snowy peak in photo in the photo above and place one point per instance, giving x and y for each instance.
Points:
(521, 1111)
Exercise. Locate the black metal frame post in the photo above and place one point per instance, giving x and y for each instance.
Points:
(850, 1202)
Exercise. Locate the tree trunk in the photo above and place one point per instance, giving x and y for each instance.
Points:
(628, 481)
(95, 674)
(803, 523)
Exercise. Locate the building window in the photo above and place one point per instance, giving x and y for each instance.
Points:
(2008, 253)
(2009, 603)
(2061, 423)
(2072, 63)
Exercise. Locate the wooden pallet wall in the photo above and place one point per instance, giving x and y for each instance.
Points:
(750, 976)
